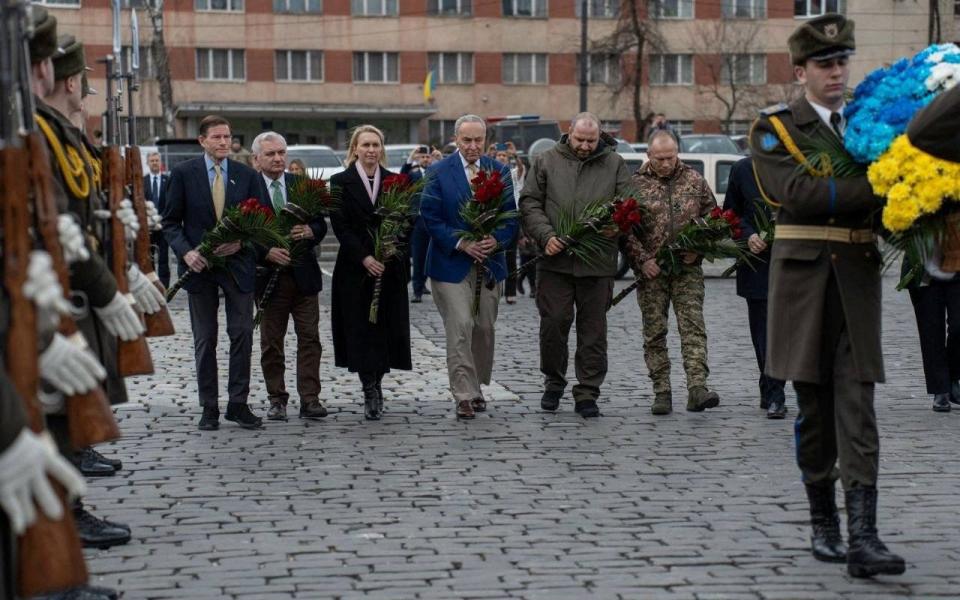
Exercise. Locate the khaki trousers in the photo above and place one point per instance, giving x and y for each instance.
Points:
(287, 302)
(470, 337)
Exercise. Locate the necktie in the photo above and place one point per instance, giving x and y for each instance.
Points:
(473, 168)
(155, 190)
(218, 191)
(277, 196)
(835, 120)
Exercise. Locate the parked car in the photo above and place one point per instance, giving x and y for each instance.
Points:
(715, 168)
(708, 143)
(397, 155)
(742, 142)
(321, 161)
(639, 147)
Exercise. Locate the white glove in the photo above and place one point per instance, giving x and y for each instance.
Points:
(146, 294)
(42, 285)
(26, 468)
(70, 366)
(71, 240)
(128, 216)
(52, 402)
(120, 319)
(154, 222)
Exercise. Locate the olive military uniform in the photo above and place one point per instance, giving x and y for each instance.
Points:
(936, 128)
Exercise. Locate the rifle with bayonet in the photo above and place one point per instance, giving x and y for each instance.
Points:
(50, 557)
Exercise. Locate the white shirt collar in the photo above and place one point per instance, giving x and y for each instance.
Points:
(824, 113)
(464, 162)
(269, 182)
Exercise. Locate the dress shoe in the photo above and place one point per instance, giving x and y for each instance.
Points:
(465, 409)
(417, 299)
(243, 416)
(87, 462)
(955, 392)
(511, 299)
(479, 405)
(312, 409)
(867, 556)
(826, 542)
(210, 421)
(113, 462)
(700, 398)
(586, 408)
(99, 533)
(551, 400)
(277, 412)
(426, 292)
(662, 404)
(941, 403)
(778, 407)
(86, 592)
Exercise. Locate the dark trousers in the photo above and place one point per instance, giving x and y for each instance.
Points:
(511, 285)
(285, 302)
(204, 308)
(757, 315)
(530, 274)
(419, 242)
(559, 296)
(939, 342)
(7, 565)
(161, 258)
(837, 421)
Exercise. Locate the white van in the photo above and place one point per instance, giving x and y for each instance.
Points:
(321, 161)
(715, 168)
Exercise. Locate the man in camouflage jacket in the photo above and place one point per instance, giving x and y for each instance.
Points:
(673, 194)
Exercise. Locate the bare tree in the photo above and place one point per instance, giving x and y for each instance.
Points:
(159, 49)
(634, 35)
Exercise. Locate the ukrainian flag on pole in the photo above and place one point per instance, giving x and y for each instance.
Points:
(428, 87)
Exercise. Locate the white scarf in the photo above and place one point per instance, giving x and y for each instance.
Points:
(371, 189)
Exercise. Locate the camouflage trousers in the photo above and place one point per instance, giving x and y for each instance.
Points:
(685, 291)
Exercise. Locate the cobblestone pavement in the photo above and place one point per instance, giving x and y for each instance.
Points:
(518, 503)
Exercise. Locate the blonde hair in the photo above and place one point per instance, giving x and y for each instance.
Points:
(355, 141)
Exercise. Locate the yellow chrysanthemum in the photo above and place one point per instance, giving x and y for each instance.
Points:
(913, 182)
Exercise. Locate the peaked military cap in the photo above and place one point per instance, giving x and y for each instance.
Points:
(71, 61)
(822, 38)
(43, 44)
(86, 90)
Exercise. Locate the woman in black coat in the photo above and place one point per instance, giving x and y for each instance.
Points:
(368, 349)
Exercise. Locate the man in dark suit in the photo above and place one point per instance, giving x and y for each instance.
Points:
(154, 188)
(825, 297)
(452, 263)
(744, 199)
(199, 191)
(295, 293)
(414, 168)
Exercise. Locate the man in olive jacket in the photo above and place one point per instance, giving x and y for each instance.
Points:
(823, 318)
(582, 168)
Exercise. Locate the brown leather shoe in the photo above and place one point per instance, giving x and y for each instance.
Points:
(312, 409)
(277, 412)
(465, 410)
(479, 405)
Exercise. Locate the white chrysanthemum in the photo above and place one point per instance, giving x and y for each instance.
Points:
(943, 76)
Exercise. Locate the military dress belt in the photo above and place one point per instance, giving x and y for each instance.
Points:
(824, 234)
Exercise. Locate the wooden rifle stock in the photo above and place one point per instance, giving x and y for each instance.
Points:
(89, 415)
(159, 323)
(133, 357)
(50, 557)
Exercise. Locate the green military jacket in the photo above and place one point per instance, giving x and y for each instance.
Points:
(800, 269)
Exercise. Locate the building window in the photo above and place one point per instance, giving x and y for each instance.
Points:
(225, 5)
(737, 127)
(298, 65)
(671, 69)
(374, 8)
(671, 9)
(744, 69)
(376, 67)
(138, 4)
(525, 8)
(220, 64)
(450, 8)
(441, 132)
(684, 128)
(525, 68)
(147, 64)
(602, 69)
(815, 8)
(745, 9)
(59, 2)
(451, 67)
(298, 6)
(598, 9)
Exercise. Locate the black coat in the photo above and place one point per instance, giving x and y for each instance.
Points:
(743, 198)
(161, 191)
(305, 270)
(359, 345)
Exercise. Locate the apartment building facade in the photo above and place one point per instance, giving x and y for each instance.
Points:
(312, 69)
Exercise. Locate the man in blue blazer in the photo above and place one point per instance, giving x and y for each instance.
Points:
(452, 263)
(200, 190)
(154, 190)
(295, 293)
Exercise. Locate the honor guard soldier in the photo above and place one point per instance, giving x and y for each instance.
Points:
(936, 128)
(824, 298)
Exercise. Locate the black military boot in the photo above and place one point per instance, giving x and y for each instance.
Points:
(867, 556)
(86, 592)
(380, 392)
(90, 463)
(371, 399)
(99, 533)
(826, 542)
